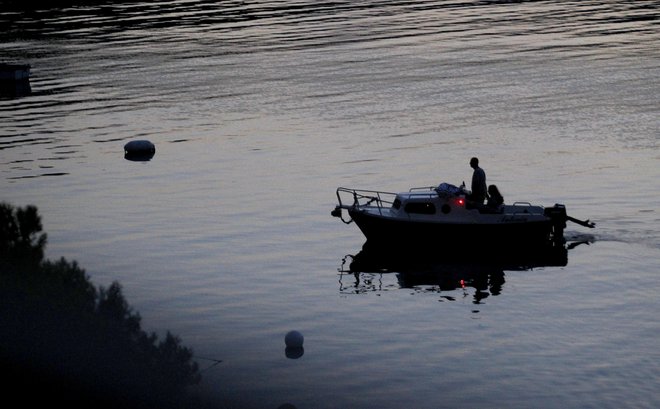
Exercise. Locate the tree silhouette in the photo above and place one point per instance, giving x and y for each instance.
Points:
(21, 240)
(68, 342)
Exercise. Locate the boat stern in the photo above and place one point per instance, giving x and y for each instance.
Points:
(557, 215)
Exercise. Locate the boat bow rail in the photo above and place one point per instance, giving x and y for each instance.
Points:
(377, 202)
(362, 199)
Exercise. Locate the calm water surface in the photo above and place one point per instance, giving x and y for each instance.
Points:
(260, 110)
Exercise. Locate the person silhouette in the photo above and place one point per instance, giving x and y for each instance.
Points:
(478, 194)
(495, 198)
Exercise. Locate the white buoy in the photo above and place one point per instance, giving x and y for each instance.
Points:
(294, 339)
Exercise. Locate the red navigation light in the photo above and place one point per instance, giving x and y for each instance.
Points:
(460, 201)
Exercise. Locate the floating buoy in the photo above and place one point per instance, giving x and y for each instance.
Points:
(141, 150)
(294, 339)
(294, 345)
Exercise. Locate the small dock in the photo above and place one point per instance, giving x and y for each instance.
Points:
(14, 80)
(14, 72)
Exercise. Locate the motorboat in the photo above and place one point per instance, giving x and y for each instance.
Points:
(443, 217)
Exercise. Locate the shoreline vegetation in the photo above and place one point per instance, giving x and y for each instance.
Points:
(65, 341)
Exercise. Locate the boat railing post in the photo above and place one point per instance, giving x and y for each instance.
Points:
(380, 203)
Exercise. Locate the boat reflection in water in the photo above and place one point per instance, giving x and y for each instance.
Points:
(372, 269)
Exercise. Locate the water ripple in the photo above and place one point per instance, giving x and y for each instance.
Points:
(108, 72)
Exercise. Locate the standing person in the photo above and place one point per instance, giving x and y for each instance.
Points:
(478, 183)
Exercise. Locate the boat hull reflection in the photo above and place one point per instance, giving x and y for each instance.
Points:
(372, 269)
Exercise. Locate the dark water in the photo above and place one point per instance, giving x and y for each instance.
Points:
(260, 110)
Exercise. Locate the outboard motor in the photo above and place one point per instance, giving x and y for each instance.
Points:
(558, 216)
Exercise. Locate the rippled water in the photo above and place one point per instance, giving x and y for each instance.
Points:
(259, 110)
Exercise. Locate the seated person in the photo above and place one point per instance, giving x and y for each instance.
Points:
(495, 199)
